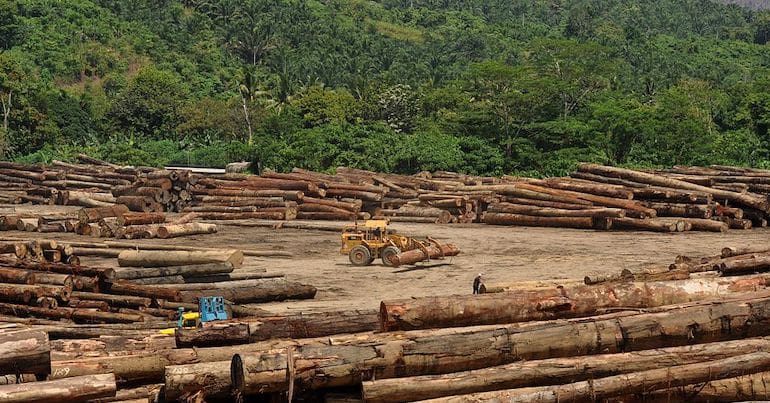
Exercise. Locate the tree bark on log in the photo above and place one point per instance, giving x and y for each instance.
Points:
(205, 269)
(277, 291)
(114, 300)
(89, 215)
(636, 382)
(552, 371)
(707, 225)
(537, 221)
(643, 177)
(211, 378)
(429, 252)
(177, 230)
(151, 258)
(552, 212)
(562, 302)
(141, 218)
(24, 351)
(442, 351)
(77, 389)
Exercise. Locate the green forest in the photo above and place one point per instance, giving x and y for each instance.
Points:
(491, 87)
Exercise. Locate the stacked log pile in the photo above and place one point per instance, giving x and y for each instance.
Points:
(149, 286)
(717, 198)
(703, 337)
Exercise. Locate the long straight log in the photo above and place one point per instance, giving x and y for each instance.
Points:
(561, 302)
(589, 187)
(553, 212)
(24, 351)
(74, 390)
(417, 353)
(126, 288)
(149, 258)
(638, 382)
(537, 221)
(276, 291)
(643, 224)
(127, 301)
(544, 203)
(552, 371)
(749, 387)
(187, 271)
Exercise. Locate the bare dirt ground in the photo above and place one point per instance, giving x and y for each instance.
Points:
(503, 254)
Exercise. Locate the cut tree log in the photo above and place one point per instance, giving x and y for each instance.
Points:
(177, 230)
(210, 378)
(77, 389)
(24, 351)
(273, 291)
(746, 250)
(537, 221)
(561, 302)
(426, 253)
(197, 270)
(443, 351)
(150, 258)
(552, 212)
(89, 215)
(636, 382)
(552, 371)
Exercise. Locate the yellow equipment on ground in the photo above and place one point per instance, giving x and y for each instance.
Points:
(373, 240)
(187, 320)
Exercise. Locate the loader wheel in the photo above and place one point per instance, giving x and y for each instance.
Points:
(387, 254)
(360, 256)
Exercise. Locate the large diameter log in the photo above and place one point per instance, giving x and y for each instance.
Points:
(429, 252)
(553, 371)
(77, 389)
(138, 204)
(749, 387)
(638, 382)
(16, 276)
(24, 351)
(89, 215)
(418, 353)
(186, 270)
(653, 179)
(19, 249)
(562, 302)
(553, 212)
(276, 291)
(537, 221)
(24, 293)
(177, 230)
(450, 350)
(151, 258)
(643, 224)
(211, 378)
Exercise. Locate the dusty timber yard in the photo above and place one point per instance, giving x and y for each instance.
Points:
(503, 254)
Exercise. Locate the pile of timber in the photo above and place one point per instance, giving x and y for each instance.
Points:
(115, 221)
(702, 338)
(717, 198)
(148, 286)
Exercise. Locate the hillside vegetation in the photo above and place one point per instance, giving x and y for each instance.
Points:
(479, 86)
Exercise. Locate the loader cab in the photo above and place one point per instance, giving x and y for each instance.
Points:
(372, 232)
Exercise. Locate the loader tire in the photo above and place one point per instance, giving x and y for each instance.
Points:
(387, 254)
(360, 256)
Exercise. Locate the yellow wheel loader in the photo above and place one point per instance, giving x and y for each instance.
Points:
(373, 240)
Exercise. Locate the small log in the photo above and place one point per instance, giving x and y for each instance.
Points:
(429, 252)
(177, 230)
